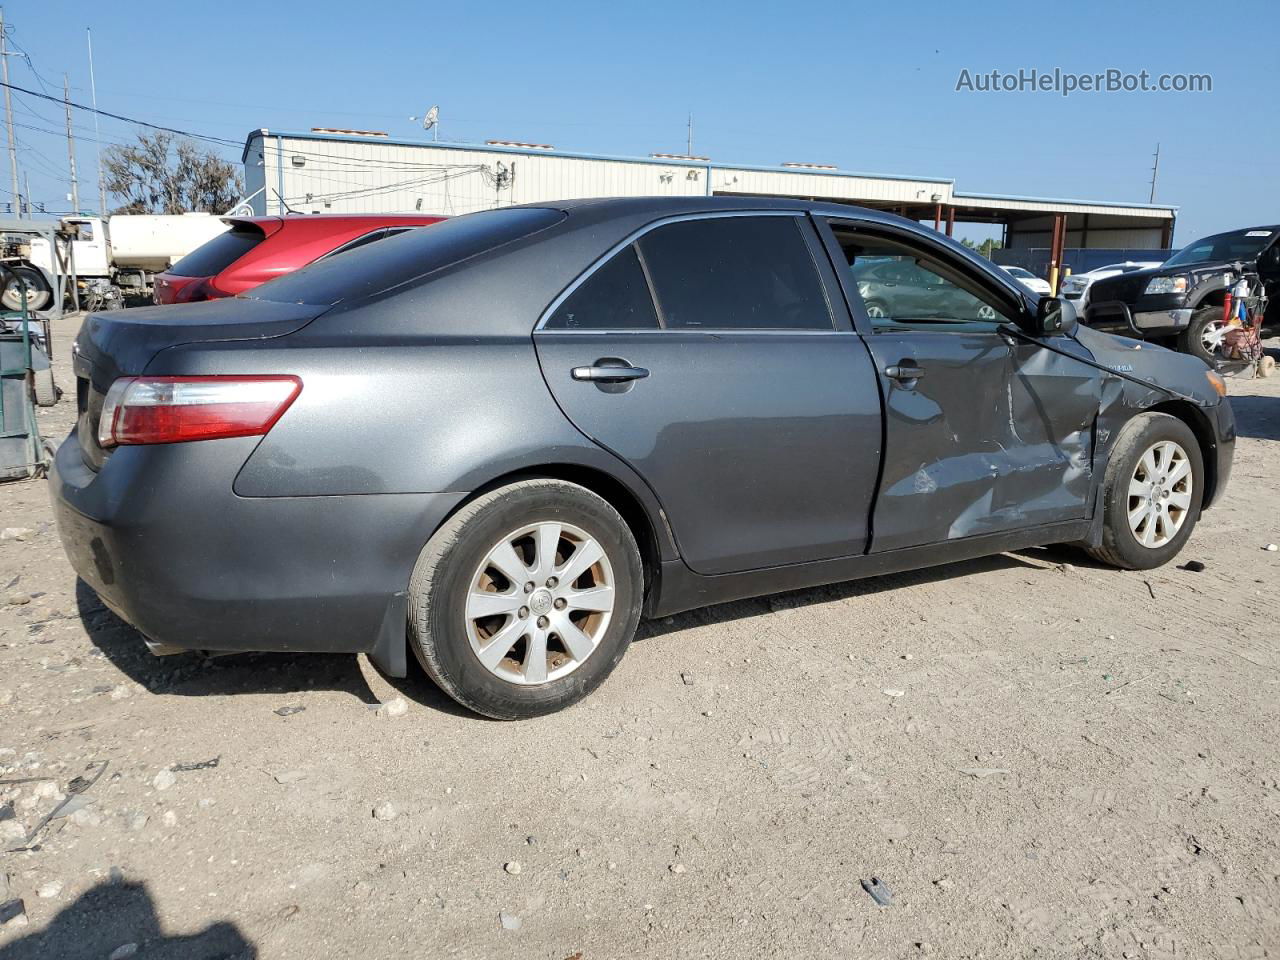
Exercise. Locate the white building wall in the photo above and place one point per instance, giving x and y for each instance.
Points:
(376, 175)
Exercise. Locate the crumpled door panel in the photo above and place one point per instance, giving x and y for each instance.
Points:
(995, 436)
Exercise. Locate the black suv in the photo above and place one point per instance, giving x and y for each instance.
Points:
(1183, 297)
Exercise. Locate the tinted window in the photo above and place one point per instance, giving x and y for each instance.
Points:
(745, 273)
(219, 253)
(377, 267)
(358, 242)
(615, 297)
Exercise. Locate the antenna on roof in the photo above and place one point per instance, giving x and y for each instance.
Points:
(287, 208)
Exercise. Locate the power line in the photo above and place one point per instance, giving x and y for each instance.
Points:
(117, 116)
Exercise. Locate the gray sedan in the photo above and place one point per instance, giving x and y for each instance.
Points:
(495, 443)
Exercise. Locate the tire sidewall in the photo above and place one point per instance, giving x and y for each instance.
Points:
(1150, 430)
(443, 627)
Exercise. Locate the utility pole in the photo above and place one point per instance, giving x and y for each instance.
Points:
(97, 134)
(71, 146)
(1155, 170)
(8, 114)
(689, 146)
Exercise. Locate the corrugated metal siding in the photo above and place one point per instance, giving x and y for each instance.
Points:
(373, 177)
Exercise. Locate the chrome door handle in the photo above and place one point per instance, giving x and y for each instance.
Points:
(602, 371)
(904, 371)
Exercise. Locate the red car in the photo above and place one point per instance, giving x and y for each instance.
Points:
(258, 249)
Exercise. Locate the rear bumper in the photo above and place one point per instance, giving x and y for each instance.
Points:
(163, 540)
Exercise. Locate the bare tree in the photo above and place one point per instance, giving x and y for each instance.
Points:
(165, 174)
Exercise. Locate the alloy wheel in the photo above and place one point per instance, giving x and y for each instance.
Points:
(1160, 494)
(1212, 335)
(539, 603)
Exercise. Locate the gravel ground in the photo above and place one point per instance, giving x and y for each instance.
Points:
(1035, 755)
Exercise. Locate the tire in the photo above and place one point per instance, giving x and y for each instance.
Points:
(1122, 545)
(458, 565)
(38, 292)
(1202, 332)
(43, 387)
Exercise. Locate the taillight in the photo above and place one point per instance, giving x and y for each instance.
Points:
(193, 292)
(179, 409)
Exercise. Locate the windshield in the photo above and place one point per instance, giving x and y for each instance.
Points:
(1239, 245)
(1019, 272)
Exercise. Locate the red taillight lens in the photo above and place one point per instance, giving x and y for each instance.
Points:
(179, 409)
(193, 292)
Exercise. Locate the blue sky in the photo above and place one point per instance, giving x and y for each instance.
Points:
(867, 86)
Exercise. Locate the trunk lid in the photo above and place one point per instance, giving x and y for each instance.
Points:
(121, 343)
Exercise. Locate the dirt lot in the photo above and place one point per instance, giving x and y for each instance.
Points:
(1037, 756)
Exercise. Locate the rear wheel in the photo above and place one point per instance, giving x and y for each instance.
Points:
(38, 292)
(526, 599)
(1203, 338)
(1152, 492)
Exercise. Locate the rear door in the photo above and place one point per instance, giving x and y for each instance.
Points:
(706, 355)
(984, 433)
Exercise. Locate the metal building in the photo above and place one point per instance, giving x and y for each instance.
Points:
(347, 171)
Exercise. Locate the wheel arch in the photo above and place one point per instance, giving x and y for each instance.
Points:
(640, 511)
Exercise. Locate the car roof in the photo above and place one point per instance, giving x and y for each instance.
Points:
(674, 206)
(324, 222)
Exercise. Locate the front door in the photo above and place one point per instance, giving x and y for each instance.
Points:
(706, 356)
(984, 433)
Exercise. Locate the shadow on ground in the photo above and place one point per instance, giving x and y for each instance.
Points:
(197, 675)
(1257, 417)
(111, 915)
(756, 606)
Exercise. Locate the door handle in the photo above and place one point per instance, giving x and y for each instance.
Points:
(609, 370)
(904, 371)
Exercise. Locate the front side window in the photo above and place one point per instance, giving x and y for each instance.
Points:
(614, 297)
(735, 273)
(904, 286)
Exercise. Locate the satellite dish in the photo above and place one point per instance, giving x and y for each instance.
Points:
(432, 117)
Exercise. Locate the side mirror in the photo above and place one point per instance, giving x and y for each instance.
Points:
(1054, 317)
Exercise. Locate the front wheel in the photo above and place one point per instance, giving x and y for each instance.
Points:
(1152, 491)
(525, 600)
(1203, 338)
(38, 292)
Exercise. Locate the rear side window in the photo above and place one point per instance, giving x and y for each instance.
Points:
(615, 297)
(219, 253)
(735, 273)
(377, 267)
(358, 242)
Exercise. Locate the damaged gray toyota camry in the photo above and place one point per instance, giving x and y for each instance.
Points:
(497, 442)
